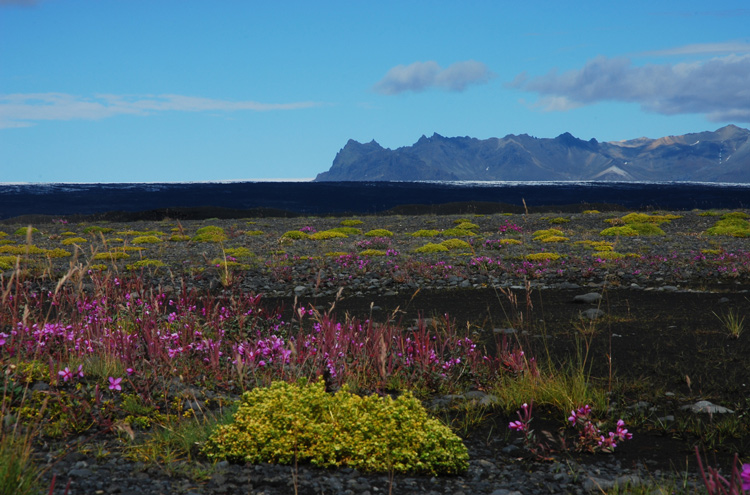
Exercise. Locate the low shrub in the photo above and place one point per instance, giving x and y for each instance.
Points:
(465, 225)
(239, 252)
(26, 248)
(25, 230)
(735, 214)
(57, 253)
(209, 233)
(179, 238)
(646, 228)
(457, 232)
(146, 239)
(431, 247)
(372, 252)
(327, 234)
(351, 223)
(253, 232)
(295, 235)
(624, 230)
(346, 230)
(285, 423)
(552, 238)
(631, 218)
(456, 244)
(7, 262)
(597, 245)
(425, 233)
(731, 224)
(73, 240)
(558, 220)
(540, 235)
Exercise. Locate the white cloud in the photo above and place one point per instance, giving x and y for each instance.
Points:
(24, 110)
(420, 76)
(717, 87)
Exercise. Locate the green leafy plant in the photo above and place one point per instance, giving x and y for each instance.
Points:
(285, 423)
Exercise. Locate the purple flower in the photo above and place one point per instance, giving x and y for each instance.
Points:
(622, 432)
(114, 383)
(745, 476)
(66, 374)
(130, 371)
(80, 371)
(517, 425)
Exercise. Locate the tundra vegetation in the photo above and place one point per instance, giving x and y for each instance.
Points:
(109, 331)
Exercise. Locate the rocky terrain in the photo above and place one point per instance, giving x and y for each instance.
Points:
(653, 316)
(719, 156)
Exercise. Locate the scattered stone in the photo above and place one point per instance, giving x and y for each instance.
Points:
(706, 407)
(592, 314)
(590, 298)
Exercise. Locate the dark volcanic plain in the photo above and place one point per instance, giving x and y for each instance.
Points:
(659, 341)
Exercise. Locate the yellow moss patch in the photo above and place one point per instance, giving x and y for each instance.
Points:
(542, 256)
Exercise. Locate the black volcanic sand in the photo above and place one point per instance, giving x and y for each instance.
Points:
(659, 346)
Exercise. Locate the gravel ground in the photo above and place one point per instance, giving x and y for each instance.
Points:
(303, 268)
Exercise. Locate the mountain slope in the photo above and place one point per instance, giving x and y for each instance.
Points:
(719, 156)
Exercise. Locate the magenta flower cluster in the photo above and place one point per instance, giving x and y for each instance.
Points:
(591, 438)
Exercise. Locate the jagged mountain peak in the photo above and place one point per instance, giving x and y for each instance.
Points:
(719, 156)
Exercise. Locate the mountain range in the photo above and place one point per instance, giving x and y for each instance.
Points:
(719, 156)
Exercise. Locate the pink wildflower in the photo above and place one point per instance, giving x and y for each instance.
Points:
(518, 426)
(745, 476)
(114, 383)
(66, 374)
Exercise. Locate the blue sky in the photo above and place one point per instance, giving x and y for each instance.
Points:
(160, 90)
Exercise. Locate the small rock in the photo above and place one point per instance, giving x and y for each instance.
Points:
(592, 314)
(590, 298)
(706, 407)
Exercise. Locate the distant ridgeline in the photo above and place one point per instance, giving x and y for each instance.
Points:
(720, 156)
